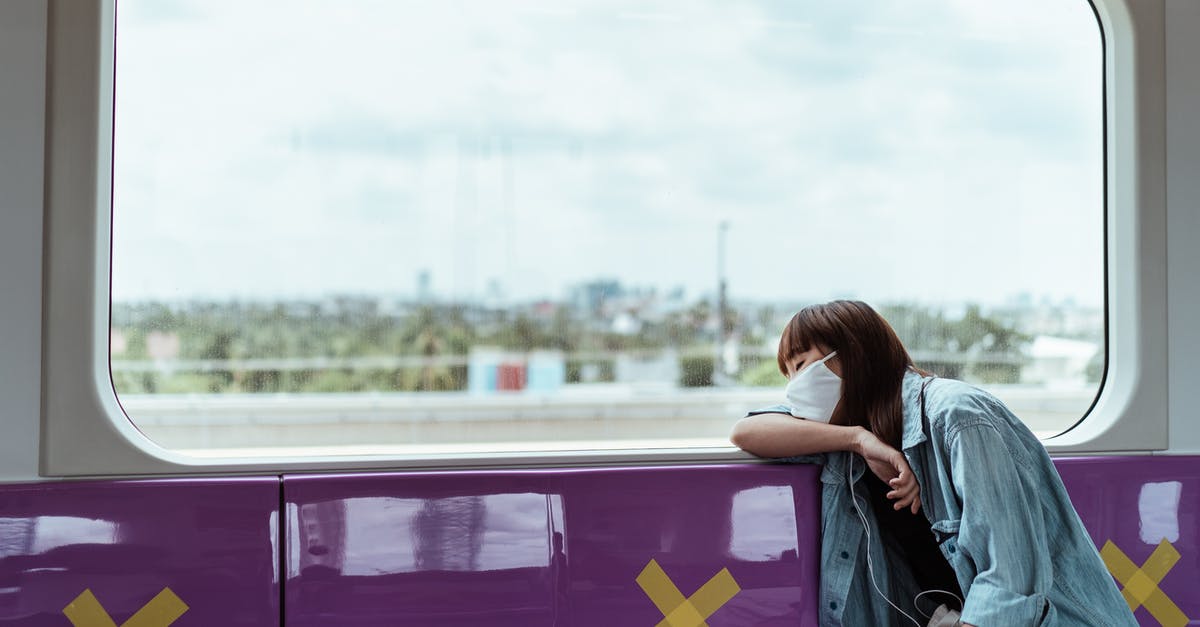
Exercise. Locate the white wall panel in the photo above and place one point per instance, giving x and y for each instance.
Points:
(22, 128)
(1183, 218)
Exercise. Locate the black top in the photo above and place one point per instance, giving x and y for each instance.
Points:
(911, 535)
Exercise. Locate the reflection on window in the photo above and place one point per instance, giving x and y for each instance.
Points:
(763, 519)
(41, 534)
(384, 535)
(522, 225)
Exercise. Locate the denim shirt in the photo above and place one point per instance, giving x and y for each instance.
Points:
(999, 513)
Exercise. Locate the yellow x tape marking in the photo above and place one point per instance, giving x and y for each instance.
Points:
(690, 612)
(1141, 584)
(161, 611)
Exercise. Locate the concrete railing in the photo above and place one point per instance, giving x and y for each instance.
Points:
(584, 414)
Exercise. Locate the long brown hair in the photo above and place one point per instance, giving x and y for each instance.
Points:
(873, 362)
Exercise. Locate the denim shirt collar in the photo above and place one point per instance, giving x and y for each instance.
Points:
(913, 434)
(910, 394)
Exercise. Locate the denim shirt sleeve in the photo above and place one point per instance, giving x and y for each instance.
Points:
(1002, 531)
(815, 458)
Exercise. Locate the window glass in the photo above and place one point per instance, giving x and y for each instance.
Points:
(420, 226)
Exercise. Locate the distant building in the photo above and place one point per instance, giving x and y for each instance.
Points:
(424, 286)
(117, 342)
(660, 369)
(162, 346)
(1057, 361)
(595, 296)
(626, 323)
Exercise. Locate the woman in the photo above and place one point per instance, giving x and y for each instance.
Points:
(997, 530)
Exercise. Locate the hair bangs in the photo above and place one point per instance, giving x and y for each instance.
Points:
(801, 333)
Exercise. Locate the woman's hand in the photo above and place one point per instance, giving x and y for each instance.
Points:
(781, 435)
(890, 466)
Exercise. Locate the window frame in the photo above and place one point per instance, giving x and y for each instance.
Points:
(84, 431)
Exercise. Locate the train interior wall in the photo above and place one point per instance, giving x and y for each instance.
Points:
(625, 540)
(680, 545)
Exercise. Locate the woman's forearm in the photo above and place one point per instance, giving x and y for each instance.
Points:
(781, 435)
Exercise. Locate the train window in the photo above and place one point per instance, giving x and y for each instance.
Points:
(428, 226)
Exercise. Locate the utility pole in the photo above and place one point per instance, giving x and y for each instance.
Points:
(723, 330)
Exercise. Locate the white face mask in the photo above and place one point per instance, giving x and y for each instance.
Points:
(814, 392)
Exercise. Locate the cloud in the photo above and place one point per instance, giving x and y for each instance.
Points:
(304, 148)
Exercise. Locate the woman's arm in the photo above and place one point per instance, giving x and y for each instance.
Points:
(781, 435)
(1002, 531)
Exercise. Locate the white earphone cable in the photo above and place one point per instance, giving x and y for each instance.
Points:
(867, 533)
(921, 594)
(870, 566)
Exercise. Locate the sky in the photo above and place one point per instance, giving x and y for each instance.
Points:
(915, 150)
